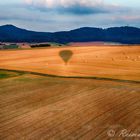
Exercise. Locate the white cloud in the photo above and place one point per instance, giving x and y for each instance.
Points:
(75, 6)
(64, 3)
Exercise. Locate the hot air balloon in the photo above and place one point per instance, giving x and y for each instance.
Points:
(66, 55)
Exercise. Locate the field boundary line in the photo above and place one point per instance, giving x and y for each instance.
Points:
(78, 77)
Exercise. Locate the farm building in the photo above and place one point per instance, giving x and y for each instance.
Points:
(24, 46)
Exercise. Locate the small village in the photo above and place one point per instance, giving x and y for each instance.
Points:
(5, 45)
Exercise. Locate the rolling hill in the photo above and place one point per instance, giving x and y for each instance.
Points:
(128, 35)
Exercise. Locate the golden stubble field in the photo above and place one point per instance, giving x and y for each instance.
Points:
(116, 62)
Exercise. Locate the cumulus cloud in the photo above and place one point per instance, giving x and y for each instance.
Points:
(74, 6)
(64, 3)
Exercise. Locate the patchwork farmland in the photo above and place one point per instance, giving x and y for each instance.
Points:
(34, 106)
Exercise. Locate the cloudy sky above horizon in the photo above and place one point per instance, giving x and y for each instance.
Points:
(57, 15)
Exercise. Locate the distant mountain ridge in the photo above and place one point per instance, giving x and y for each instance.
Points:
(126, 34)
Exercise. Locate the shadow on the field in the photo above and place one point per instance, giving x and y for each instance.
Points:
(66, 55)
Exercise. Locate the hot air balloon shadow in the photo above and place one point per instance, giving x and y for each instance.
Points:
(66, 55)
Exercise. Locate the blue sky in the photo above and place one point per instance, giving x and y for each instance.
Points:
(57, 15)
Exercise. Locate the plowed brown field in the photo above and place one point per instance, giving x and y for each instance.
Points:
(118, 62)
(46, 108)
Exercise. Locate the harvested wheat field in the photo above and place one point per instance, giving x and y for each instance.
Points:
(34, 107)
(116, 62)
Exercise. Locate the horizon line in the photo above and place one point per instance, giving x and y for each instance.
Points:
(69, 29)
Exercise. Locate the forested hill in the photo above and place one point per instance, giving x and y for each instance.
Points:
(129, 35)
